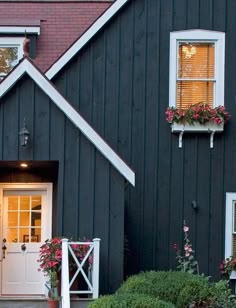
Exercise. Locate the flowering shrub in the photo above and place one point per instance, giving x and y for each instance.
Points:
(197, 113)
(187, 262)
(80, 252)
(227, 266)
(50, 256)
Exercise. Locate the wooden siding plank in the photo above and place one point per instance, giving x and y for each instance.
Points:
(42, 107)
(86, 187)
(111, 87)
(205, 14)
(57, 152)
(71, 176)
(10, 125)
(164, 139)
(217, 206)
(116, 237)
(101, 216)
(189, 185)
(151, 127)
(125, 84)
(203, 198)
(193, 7)
(86, 83)
(176, 199)
(138, 134)
(219, 15)
(98, 85)
(180, 16)
(26, 111)
(72, 76)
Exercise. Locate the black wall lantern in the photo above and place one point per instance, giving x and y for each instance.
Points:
(24, 135)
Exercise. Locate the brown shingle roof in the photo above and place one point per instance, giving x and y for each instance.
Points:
(61, 23)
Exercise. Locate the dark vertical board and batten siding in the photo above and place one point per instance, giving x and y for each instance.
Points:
(131, 58)
(88, 196)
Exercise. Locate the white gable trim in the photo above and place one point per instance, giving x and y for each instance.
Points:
(19, 30)
(27, 67)
(96, 26)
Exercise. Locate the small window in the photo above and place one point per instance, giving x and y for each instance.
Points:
(196, 68)
(11, 51)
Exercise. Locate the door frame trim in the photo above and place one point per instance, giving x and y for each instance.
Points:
(27, 186)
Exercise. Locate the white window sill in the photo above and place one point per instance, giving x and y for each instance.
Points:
(210, 128)
(201, 128)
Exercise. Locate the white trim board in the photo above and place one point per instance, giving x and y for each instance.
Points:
(19, 30)
(85, 38)
(47, 87)
(230, 198)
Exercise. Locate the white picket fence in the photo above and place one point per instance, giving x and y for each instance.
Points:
(90, 276)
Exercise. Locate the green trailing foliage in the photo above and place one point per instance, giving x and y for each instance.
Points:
(127, 300)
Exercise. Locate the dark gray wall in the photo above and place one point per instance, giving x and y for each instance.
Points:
(119, 82)
(89, 198)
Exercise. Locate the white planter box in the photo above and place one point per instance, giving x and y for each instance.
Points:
(197, 128)
(232, 275)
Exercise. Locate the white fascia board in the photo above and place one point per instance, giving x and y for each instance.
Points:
(47, 87)
(96, 26)
(19, 30)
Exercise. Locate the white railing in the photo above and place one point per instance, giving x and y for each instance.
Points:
(87, 266)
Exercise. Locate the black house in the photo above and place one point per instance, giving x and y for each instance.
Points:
(138, 58)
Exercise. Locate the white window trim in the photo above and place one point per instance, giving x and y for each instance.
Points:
(198, 36)
(229, 216)
(20, 30)
(13, 42)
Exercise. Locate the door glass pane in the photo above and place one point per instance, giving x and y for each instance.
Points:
(12, 235)
(12, 219)
(24, 202)
(36, 202)
(13, 203)
(24, 219)
(24, 215)
(24, 235)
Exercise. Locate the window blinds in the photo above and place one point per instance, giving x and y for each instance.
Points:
(195, 74)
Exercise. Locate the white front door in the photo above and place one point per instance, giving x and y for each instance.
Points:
(26, 224)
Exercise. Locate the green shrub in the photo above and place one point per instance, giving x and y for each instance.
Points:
(165, 285)
(127, 300)
(181, 289)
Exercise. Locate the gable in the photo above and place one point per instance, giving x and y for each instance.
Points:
(85, 38)
(61, 23)
(26, 67)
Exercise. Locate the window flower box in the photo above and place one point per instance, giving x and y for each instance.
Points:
(197, 127)
(197, 118)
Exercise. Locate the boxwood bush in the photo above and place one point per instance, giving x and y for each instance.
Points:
(180, 288)
(128, 300)
(167, 290)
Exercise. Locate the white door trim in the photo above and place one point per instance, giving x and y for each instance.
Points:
(27, 186)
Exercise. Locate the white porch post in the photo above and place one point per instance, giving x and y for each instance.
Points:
(95, 274)
(65, 288)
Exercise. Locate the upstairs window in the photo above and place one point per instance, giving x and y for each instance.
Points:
(11, 51)
(196, 68)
